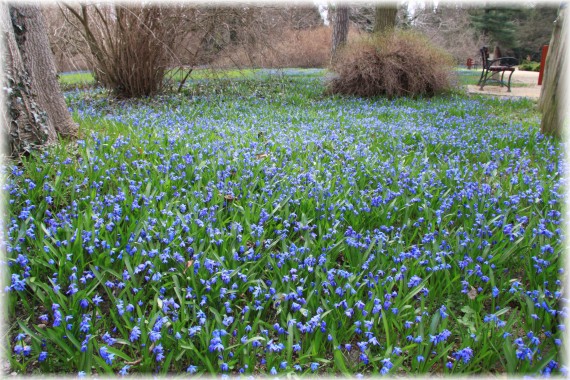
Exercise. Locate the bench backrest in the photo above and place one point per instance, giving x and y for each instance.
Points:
(484, 56)
(504, 61)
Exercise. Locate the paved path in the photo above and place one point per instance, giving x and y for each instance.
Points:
(528, 78)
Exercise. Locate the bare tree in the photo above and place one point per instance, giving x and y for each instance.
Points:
(340, 28)
(36, 108)
(552, 98)
(449, 27)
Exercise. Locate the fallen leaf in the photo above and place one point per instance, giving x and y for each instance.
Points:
(472, 293)
(188, 265)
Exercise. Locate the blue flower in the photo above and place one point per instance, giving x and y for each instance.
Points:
(17, 283)
(106, 355)
(441, 337)
(97, 300)
(154, 335)
(135, 334)
(414, 281)
(464, 354)
(125, 370)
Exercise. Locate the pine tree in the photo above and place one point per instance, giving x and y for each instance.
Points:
(496, 24)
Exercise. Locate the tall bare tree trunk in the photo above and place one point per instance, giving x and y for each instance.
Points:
(39, 61)
(340, 28)
(551, 95)
(25, 123)
(385, 16)
(36, 107)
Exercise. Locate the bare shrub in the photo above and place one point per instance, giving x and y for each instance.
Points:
(305, 48)
(186, 37)
(291, 48)
(66, 43)
(278, 37)
(131, 45)
(400, 63)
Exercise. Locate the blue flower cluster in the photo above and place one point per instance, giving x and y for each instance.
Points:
(253, 235)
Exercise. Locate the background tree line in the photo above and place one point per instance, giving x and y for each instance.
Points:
(272, 36)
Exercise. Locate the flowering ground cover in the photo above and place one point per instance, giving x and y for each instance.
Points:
(260, 227)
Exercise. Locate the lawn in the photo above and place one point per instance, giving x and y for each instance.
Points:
(258, 226)
(85, 79)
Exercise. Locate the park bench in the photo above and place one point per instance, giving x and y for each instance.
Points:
(492, 68)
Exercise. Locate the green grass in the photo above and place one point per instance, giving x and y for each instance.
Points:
(203, 75)
(76, 79)
(85, 79)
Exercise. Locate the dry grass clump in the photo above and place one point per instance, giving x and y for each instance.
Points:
(397, 64)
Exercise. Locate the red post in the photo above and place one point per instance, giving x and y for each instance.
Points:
(542, 63)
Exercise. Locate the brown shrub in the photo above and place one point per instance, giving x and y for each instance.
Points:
(130, 46)
(305, 48)
(291, 48)
(400, 63)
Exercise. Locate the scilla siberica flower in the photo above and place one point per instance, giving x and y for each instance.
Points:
(107, 356)
(464, 354)
(386, 366)
(135, 334)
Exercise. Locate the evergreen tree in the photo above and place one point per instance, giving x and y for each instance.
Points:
(496, 24)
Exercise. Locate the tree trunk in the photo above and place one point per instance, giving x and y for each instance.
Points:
(39, 62)
(36, 108)
(551, 94)
(25, 123)
(340, 28)
(385, 17)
